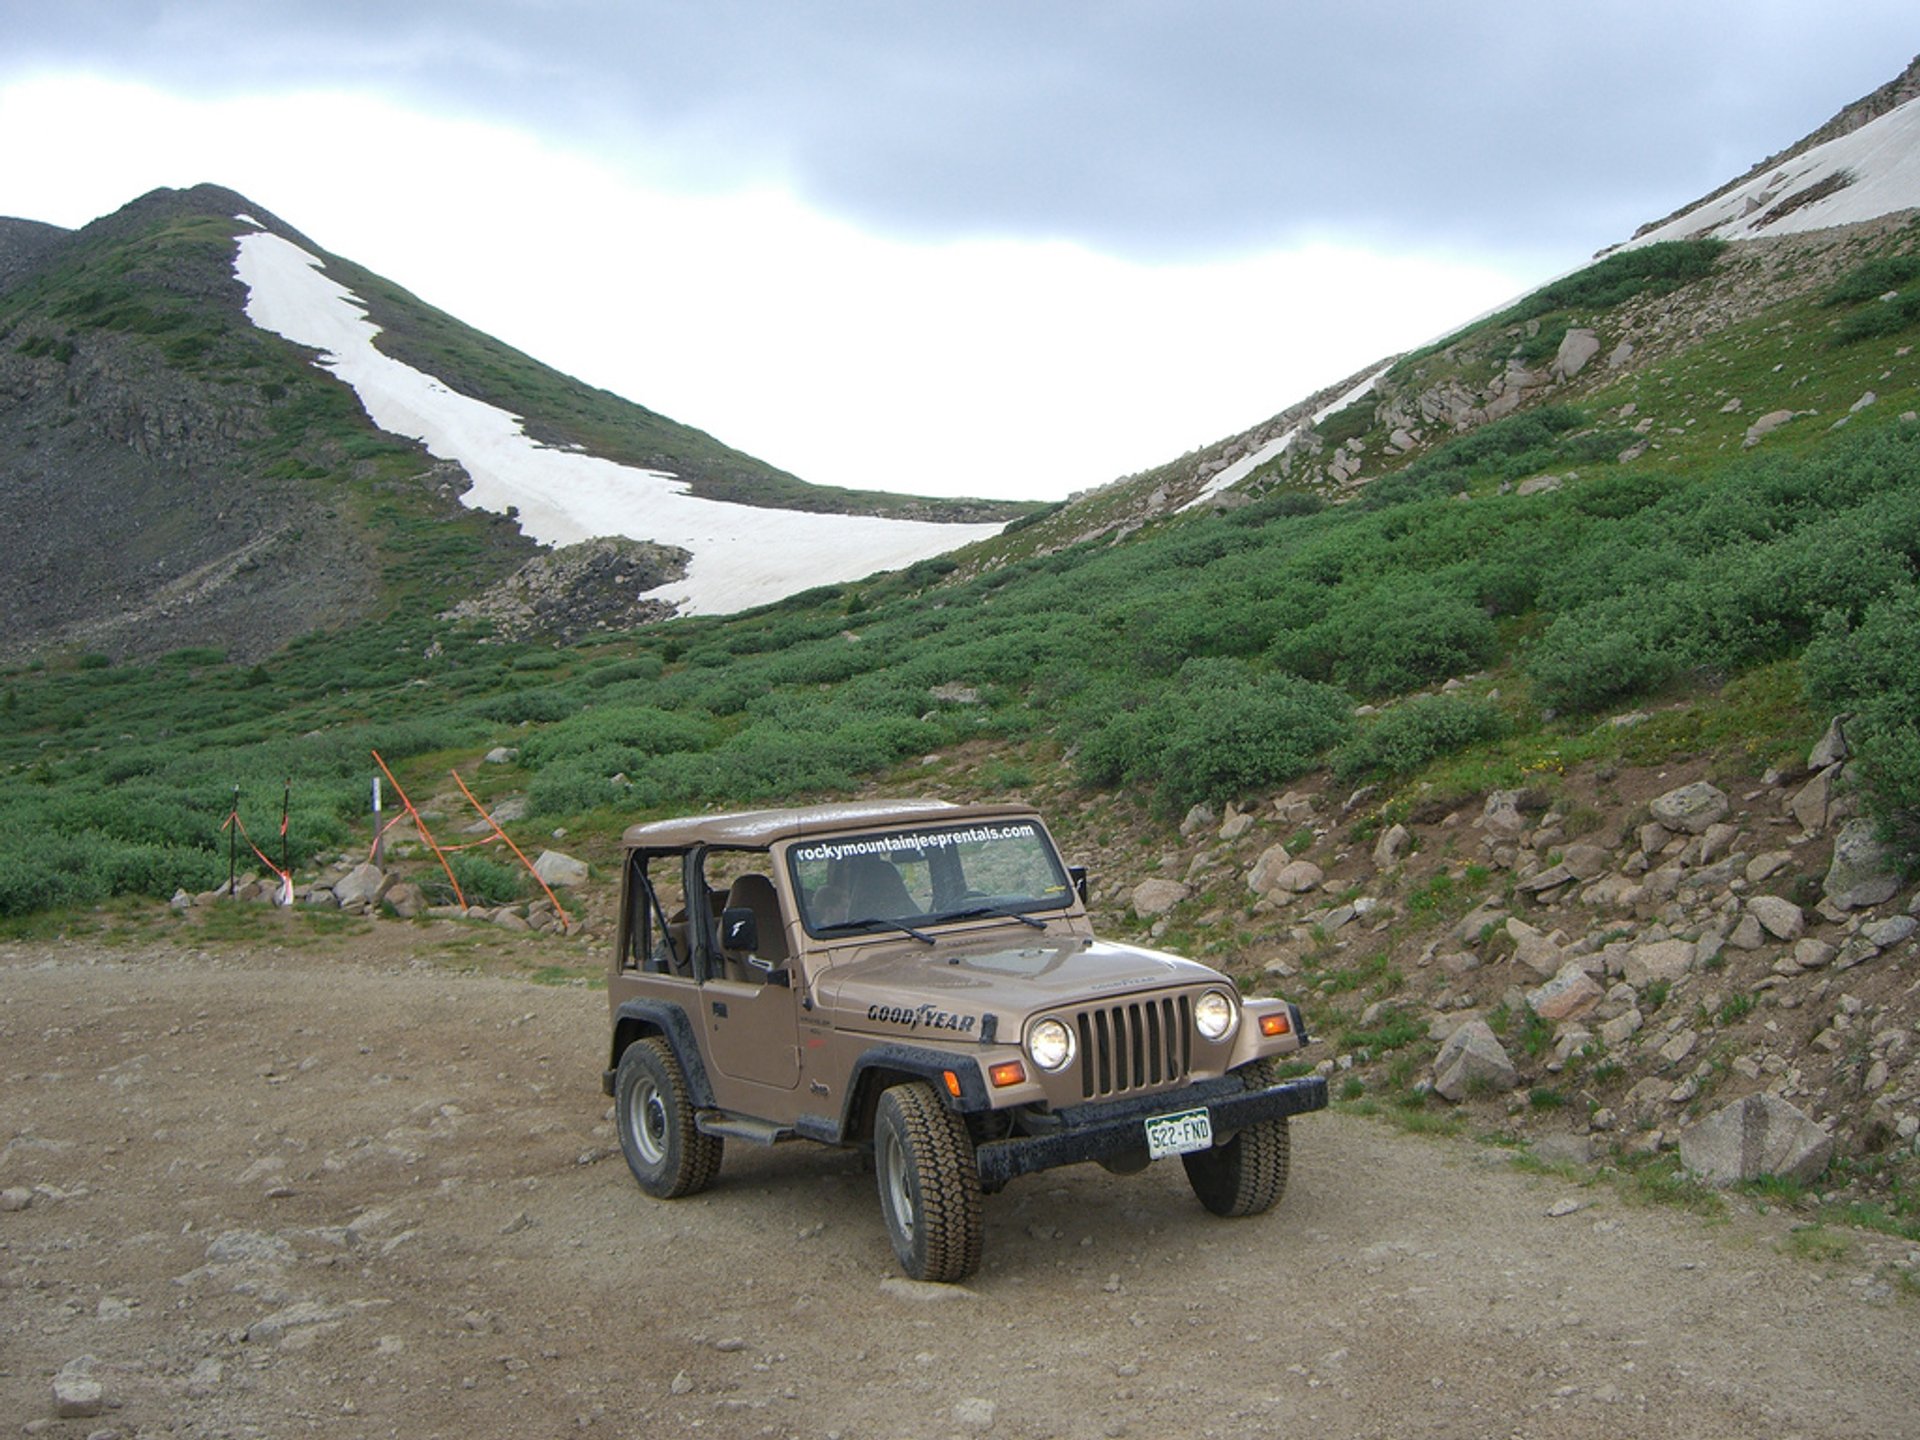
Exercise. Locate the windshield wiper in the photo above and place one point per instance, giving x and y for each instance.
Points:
(974, 912)
(870, 922)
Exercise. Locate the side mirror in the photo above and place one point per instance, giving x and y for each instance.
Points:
(739, 929)
(1081, 884)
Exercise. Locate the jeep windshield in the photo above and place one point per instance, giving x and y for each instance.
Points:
(928, 875)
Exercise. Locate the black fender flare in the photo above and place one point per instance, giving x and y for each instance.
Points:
(636, 1020)
(916, 1062)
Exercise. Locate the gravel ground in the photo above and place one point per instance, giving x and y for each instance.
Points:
(336, 1190)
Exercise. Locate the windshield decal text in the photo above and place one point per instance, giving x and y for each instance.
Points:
(914, 841)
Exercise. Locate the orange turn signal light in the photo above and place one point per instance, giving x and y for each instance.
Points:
(1275, 1024)
(1008, 1072)
(953, 1084)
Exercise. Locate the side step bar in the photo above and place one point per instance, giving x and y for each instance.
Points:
(740, 1127)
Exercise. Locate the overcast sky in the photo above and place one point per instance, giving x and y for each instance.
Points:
(1003, 247)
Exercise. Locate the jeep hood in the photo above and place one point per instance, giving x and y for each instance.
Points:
(946, 986)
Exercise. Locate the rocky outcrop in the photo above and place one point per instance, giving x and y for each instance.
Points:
(1663, 954)
(577, 591)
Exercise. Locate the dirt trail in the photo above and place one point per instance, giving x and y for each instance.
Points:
(339, 1194)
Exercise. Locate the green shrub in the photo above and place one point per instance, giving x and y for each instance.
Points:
(486, 881)
(1408, 736)
(1879, 318)
(1869, 668)
(1872, 280)
(1223, 729)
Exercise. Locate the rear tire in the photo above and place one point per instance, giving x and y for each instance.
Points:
(1246, 1175)
(654, 1115)
(929, 1184)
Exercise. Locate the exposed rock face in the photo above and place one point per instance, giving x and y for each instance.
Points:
(570, 593)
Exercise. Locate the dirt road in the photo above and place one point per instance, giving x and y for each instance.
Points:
(329, 1191)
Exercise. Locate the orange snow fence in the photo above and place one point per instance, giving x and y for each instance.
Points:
(421, 826)
(560, 909)
(286, 879)
(440, 852)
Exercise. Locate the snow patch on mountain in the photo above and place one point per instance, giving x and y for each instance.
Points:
(1871, 172)
(743, 555)
(1248, 463)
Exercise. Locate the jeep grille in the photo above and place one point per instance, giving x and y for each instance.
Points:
(1136, 1045)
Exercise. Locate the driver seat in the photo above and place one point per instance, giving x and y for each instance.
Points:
(756, 893)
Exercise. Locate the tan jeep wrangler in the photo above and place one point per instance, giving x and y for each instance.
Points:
(920, 981)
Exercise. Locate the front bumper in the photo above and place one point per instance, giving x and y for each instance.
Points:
(1105, 1131)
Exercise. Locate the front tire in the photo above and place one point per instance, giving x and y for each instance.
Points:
(654, 1115)
(929, 1184)
(1246, 1175)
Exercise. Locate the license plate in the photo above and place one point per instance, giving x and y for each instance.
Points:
(1180, 1134)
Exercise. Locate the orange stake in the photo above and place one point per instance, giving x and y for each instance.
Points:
(568, 919)
(421, 826)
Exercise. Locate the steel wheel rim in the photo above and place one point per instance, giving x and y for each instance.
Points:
(649, 1123)
(899, 1194)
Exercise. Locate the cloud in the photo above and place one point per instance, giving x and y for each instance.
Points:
(1005, 247)
(1150, 130)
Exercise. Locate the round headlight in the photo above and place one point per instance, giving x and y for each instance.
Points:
(1051, 1045)
(1215, 1014)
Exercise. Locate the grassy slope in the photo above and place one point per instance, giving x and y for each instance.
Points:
(1171, 661)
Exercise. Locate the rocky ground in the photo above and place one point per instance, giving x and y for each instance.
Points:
(1600, 971)
(338, 1180)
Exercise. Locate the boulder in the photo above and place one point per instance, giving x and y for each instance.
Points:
(1658, 960)
(1690, 809)
(1570, 994)
(1587, 862)
(560, 869)
(363, 885)
(1760, 1135)
(406, 900)
(1391, 847)
(1890, 931)
(1272, 861)
(1780, 918)
(1155, 897)
(1298, 877)
(1863, 871)
(1812, 802)
(1473, 1060)
(1832, 747)
(1540, 953)
(1577, 347)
